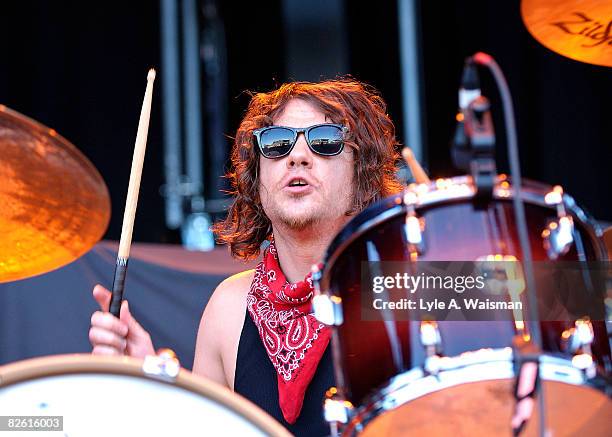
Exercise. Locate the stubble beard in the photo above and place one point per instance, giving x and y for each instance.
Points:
(297, 222)
(307, 219)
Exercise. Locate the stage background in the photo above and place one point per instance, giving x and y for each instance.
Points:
(80, 67)
(167, 287)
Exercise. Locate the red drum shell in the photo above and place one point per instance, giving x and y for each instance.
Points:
(456, 229)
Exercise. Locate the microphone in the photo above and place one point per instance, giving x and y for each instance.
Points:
(469, 90)
(473, 144)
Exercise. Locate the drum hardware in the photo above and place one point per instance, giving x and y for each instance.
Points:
(485, 142)
(578, 338)
(336, 411)
(524, 351)
(481, 140)
(327, 309)
(430, 338)
(504, 270)
(414, 227)
(473, 145)
(558, 237)
(577, 341)
(558, 234)
(526, 363)
(505, 277)
(164, 366)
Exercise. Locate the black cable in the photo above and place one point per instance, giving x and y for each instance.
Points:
(519, 210)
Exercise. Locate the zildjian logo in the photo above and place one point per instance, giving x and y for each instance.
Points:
(587, 28)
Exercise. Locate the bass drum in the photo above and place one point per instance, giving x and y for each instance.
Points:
(385, 383)
(104, 396)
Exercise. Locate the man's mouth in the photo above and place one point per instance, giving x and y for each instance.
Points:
(297, 183)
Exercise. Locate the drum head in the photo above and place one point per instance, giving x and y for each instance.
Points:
(485, 408)
(102, 396)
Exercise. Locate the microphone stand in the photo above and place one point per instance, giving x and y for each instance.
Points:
(473, 150)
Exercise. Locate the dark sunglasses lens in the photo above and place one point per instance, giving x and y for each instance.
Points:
(275, 142)
(326, 140)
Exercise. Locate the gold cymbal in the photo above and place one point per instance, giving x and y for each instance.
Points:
(54, 205)
(578, 29)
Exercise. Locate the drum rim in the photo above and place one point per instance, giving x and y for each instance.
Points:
(373, 405)
(532, 192)
(74, 364)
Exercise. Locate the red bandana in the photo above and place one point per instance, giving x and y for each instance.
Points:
(294, 339)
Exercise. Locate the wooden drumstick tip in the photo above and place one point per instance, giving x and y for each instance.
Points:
(151, 75)
(407, 154)
(417, 171)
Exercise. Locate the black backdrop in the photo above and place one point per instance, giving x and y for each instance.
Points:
(80, 68)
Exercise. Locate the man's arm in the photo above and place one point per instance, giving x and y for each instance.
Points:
(220, 328)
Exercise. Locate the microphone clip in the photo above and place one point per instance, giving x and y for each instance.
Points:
(474, 145)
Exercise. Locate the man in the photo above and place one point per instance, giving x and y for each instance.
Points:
(306, 158)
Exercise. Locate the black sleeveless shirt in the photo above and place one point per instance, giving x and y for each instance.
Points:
(256, 380)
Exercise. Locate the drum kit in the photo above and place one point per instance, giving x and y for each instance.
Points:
(392, 376)
(472, 392)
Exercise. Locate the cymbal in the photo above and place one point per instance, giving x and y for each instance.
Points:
(54, 205)
(578, 29)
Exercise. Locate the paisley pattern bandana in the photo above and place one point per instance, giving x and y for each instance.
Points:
(294, 340)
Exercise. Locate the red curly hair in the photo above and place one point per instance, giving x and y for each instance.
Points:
(343, 101)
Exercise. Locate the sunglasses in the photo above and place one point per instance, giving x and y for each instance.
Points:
(278, 141)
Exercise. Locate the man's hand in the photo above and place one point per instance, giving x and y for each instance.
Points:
(117, 336)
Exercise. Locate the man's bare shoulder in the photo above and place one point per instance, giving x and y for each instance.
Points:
(238, 284)
(231, 293)
(224, 313)
(220, 328)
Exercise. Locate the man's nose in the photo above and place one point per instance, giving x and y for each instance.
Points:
(301, 154)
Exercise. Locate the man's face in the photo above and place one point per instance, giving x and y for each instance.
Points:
(327, 195)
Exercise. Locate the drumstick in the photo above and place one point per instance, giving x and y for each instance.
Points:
(132, 198)
(420, 177)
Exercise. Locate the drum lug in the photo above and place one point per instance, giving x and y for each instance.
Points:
(579, 336)
(414, 225)
(336, 410)
(164, 366)
(431, 338)
(577, 341)
(328, 309)
(558, 235)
